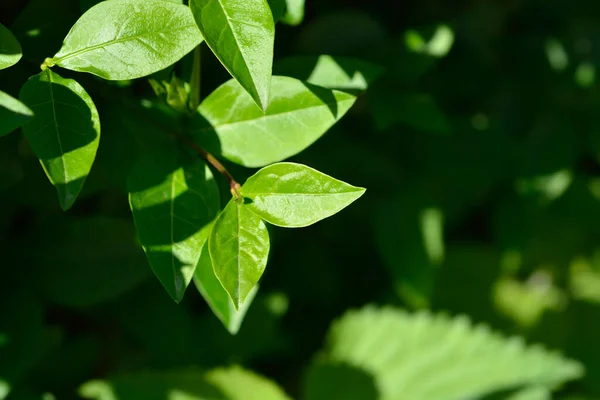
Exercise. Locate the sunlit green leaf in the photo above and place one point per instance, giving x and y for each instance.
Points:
(217, 298)
(10, 49)
(293, 195)
(232, 383)
(64, 133)
(173, 205)
(128, 39)
(239, 247)
(13, 113)
(330, 72)
(294, 12)
(420, 356)
(299, 113)
(241, 33)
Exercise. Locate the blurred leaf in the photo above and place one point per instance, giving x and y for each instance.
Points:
(339, 381)
(277, 9)
(294, 12)
(239, 247)
(226, 28)
(13, 113)
(294, 195)
(174, 92)
(298, 114)
(87, 261)
(232, 383)
(10, 49)
(420, 356)
(438, 46)
(64, 133)
(217, 298)
(173, 201)
(330, 72)
(126, 49)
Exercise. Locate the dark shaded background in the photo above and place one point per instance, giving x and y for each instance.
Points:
(483, 198)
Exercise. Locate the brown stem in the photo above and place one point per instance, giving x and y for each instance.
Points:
(234, 187)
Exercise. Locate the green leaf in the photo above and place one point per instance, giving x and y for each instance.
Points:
(65, 132)
(128, 39)
(241, 33)
(299, 114)
(13, 113)
(239, 246)
(420, 356)
(173, 203)
(174, 92)
(232, 383)
(10, 49)
(330, 72)
(217, 298)
(88, 261)
(294, 12)
(277, 9)
(293, 195)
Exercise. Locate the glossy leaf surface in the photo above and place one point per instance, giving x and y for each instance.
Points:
(128, 39)
(298, 114)
(10, 49)
(294, 195)
(13, 113)
(232, 383)
(217, 298)
(172, 207)
(241, 33)
(65, 132)
(238, 247)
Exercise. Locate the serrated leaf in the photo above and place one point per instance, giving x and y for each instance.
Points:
(299, 114)
(65, 132)
(128, 39)
(239, 246)
(330, 72)
(294, 195)
(294, 12)
(241, 33)
(420, 356)
(13, 113)
(173, 203)
(217, 298)
(232, 383)
(10, 49)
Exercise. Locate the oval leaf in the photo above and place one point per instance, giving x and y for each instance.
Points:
(241, 33)
(13, 113)
(217, 298)
(10, 49)
(299, 113)
(293, 195)
(128, 39)
(172, 207)
(238, 247)
(65, 132)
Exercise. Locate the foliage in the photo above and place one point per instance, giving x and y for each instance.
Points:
(183, 137)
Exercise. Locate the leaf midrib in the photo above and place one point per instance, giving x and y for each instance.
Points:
(113, 42)
(299, 194)
(55, 120)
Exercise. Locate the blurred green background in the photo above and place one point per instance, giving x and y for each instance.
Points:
(478, 140)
